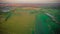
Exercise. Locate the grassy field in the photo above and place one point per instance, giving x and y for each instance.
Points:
(22, 20)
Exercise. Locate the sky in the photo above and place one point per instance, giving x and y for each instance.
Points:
(29, 1)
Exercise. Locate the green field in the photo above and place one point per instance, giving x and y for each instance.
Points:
(22, 20)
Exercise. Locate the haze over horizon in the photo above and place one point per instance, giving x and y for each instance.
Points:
(29, 1)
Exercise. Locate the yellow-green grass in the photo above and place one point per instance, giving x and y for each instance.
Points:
(20, 23)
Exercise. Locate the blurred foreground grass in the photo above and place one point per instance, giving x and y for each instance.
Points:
(22, 20)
